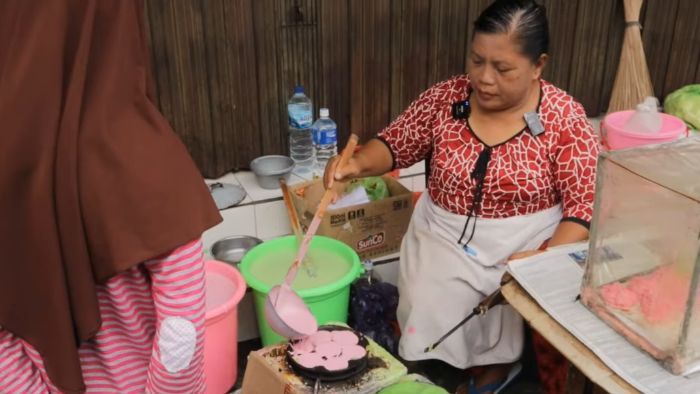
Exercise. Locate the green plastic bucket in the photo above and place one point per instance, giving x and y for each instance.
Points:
(327, 295)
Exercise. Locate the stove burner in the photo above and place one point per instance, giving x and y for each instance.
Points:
(355, 367)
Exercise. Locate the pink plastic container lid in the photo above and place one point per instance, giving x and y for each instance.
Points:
(616, 137)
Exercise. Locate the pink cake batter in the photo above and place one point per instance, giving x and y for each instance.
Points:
(661, 295)
(619, 296)
(289, 316)
(588, 296)
(332, 350)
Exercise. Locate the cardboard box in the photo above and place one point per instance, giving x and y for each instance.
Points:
(373, 229)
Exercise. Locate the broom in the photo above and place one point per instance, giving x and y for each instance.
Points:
(632, 82)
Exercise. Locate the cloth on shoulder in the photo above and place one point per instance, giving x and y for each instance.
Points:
(93, 179)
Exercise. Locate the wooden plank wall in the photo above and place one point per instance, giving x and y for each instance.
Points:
(225, 68)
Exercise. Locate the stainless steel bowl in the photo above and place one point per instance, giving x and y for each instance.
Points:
(269, 169)
(232, 249)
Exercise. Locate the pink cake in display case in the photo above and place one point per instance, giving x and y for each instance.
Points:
(643, 264)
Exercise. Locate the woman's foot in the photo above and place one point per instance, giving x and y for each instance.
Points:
(488, 381)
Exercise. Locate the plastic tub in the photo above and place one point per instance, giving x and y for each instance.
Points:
(327, 296)
(224, 288)
(615, 137)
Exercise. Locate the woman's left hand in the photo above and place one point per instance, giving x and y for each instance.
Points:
(523, 254)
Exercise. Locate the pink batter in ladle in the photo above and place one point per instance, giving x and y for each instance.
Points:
(285, 311)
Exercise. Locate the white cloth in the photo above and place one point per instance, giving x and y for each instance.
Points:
(177, 342)
(355, 197)
(440, 284)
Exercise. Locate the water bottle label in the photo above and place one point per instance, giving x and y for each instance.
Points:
(326, 137)
(299, 117)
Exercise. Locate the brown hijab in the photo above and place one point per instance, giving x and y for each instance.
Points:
(92, 179)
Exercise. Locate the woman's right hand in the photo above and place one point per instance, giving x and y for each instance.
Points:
(332, 173)
(373, 158)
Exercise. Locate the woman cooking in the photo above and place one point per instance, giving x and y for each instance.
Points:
(512, 167)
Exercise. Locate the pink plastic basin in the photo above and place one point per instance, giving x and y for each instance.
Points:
(225, 288)
(614, 137)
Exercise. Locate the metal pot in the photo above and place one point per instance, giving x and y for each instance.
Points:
(232, 249)
(269, 169)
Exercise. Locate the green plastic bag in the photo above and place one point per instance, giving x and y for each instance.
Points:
(684, 103)
(374, 186)
(413, 388)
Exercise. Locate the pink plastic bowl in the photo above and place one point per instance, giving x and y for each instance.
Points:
(225, 288)
(614, 137)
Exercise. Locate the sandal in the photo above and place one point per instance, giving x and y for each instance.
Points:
(493, 387)
(487, 388)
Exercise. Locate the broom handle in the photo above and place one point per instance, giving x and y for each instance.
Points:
(291, 212)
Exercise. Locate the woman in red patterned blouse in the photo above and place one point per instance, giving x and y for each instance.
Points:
(512, 166)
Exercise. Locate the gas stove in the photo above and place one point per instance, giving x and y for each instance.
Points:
(269, 372)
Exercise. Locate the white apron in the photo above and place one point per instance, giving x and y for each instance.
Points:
(440, 284)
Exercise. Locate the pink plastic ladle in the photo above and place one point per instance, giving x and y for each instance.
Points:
(285, 311)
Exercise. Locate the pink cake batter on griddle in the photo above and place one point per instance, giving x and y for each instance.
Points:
(661, 295)
(332, 350)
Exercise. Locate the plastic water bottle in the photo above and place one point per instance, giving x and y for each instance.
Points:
(325, 139)
(301, 145)
(370, 276)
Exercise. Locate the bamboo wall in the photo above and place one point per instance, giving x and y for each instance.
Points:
(225, 68)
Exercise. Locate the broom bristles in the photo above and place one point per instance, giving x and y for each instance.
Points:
(632, 81)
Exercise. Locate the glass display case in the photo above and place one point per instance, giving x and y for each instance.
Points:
(644, 260)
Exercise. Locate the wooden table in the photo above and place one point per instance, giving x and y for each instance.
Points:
(574, 350)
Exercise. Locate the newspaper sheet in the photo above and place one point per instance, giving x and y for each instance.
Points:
(553, 279)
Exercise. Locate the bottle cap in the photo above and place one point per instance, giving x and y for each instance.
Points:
(324, 112)
(298, 89)
(643, 107)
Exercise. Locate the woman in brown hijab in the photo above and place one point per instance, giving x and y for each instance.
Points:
(101, 278)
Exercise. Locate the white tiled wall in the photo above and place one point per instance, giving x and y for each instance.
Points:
(238, 220)
(596, 123)
(418, 168)
(407, 182)
(388, 272)
(256, 193)
(272, 220)
(418, 183)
